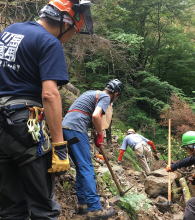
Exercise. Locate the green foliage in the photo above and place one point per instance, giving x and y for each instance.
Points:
(131, 158)
(95, 64)
(67, 186)
(138, 40)
(150, 48)
(139, 119)
(175, 63)
(133, 203)
(146, 103)
(127, 39)
(193, 107)
(106, 177)
(177, 152)
(117, 131)
(157, 88)
(158, 134)
(130, 42)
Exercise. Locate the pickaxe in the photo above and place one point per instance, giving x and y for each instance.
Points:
(121, 192)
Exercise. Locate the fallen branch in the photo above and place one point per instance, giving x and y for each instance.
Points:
(185, 189)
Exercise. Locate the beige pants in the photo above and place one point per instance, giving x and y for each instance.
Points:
(144, 155)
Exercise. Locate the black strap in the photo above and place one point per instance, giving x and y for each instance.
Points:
(73, 140)
(61, 25)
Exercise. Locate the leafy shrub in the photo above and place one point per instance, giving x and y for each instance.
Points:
(132, 159)
(177, 153)
(110, 183)
(181, 115)
(132, 203)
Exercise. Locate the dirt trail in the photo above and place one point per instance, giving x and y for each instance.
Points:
(65, 194)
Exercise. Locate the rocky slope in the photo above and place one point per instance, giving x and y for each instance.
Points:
(145, 200)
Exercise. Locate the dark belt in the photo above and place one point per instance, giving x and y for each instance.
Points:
(18, 104)
(9, 108)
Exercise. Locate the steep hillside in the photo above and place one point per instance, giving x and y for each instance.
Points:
(146, 199)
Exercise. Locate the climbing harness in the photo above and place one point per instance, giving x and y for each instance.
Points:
(33, 123)
(37, 128)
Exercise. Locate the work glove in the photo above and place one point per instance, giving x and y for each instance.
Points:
(151, 143)
(99, 156)
(120, 156)
(99, 139)
(192, 179)
(168, 169)
(60, 160)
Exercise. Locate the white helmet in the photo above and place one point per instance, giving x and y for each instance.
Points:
(131, 131)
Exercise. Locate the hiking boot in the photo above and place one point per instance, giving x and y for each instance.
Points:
(82, 209)
(100, 214)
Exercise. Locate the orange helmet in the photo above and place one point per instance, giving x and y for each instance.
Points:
(77, 10)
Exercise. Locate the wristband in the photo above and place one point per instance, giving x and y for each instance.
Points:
(54, 144)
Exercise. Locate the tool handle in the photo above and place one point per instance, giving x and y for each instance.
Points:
(169, 143)
(111, 171)
(169, 160)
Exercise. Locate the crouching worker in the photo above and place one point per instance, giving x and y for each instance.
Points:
(142, 148)
(87, 110)
(188, 143)
(32, 65)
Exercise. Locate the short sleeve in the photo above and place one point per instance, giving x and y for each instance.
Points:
(52, 62)
(103, 102)
(124, 144)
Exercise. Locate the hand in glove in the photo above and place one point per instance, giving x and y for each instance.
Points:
(60, 160)
(151, 143)
(120, 156)
(192, 179)
(168, 169)
(99, 139)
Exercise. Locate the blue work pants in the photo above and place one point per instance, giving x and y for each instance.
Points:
(85, 177)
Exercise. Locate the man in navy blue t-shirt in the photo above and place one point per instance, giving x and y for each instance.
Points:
(32, 65)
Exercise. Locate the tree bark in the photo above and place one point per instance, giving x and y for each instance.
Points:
(109, 135)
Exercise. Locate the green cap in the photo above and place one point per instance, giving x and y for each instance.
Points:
(188, 138)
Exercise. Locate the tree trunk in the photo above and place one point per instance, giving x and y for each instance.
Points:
(109, 135)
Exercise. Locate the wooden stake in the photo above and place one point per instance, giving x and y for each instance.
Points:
(169, 161)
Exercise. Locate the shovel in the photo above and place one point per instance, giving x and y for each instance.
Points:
(121, 192)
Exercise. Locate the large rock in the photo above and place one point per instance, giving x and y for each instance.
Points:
(157, 183)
